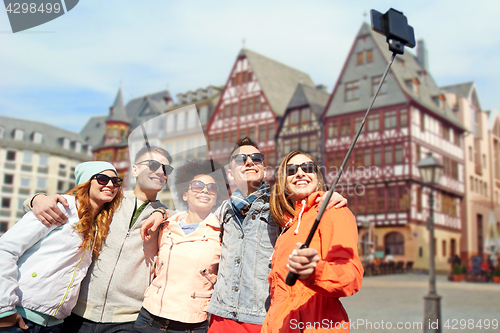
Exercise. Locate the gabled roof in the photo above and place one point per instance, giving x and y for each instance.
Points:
(466, 90)
(307, 95)
(117, 111)
(493, 116)
(405, 68)
(277, 81)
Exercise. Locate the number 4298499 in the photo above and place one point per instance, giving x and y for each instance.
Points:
(455, 324)
(18, 8)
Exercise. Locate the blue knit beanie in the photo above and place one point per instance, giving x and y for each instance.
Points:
(85, 170)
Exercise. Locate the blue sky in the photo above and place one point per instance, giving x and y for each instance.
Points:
(69, 69)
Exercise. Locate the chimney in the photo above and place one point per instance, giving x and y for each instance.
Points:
(321, 87)
(422, 55)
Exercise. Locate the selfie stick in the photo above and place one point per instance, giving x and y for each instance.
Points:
(291, 278)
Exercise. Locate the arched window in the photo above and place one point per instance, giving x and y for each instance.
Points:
(394, 243)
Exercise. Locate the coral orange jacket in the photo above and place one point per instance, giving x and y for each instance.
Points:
(312, 304)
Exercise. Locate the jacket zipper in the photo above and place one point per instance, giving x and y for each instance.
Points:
(204, 273)
(116, 263)
(70, 283)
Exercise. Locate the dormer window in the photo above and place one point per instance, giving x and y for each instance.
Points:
(18, 134)
(210, 92)
(200, 95)
(189, 97)
(78, 146)
(37, 137)
(65, 143)
(414, 85)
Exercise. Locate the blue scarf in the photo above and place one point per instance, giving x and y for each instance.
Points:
(241, 204)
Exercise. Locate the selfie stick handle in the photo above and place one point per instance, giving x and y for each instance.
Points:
(291, 278)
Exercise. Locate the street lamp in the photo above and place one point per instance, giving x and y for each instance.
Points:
(430, 169)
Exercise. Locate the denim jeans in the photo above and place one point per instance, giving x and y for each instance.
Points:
(148, 323)
(77, 324)
(32, 328)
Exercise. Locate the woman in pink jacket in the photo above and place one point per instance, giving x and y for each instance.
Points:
(188, 259)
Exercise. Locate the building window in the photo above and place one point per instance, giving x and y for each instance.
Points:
(333, 129)
(43, 160)
(380, 200)
(422, 121)
(11, 155)
(369, 56)
(270, 132)
(357, 123)
(418, 155)
(251, 133)
(375, 83)
(8, 179)
(391, 197)
(390, 119)
(345, 126)
(227, 111)
(37, 137)
(456, 138)
(18, 134)
(294, 118)
(257, 104)
(403, 117)
(359, 58)
(243, 107)
(235, 110)
(446, 132)
(25, 182)
(388, 155)
(394, 243)
(368, 157)
(262, 133)
(250, 105)
(115, 132)
(304, 143)
(305, 116)
(398, 154)
(41, 183)
(27, 157)
(377, 156)
(351, 91)
(373, 123)
(65, 143)
(470, 154)
(5, 202)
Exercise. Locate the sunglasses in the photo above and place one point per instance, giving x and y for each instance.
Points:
(103, 179)
(154, 165)
(307, 167)
(241, 159)
(198, 186)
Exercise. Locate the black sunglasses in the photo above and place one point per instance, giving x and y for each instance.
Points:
(241, 159)
(103, 179)
(307, 167)
(154, 165)
(198, 186)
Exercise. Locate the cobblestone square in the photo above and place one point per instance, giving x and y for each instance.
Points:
(398, 298)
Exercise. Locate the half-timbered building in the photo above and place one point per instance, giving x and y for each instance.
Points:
(301, 126)
(409, 118)
(256, 94)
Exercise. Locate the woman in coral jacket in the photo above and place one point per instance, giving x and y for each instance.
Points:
(329, 269)
(188, 259)
(41, 268)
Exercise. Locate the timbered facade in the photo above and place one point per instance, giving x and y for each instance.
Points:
(409, 118)
(253, 100)
(301, 126)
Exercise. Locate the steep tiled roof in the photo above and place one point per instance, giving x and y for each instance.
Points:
(404, 69)
(94, 130)
(278, 81)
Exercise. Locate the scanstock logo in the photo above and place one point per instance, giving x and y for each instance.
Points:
(28, 14)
